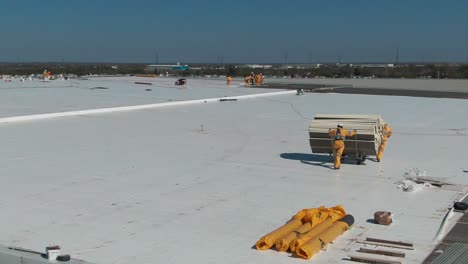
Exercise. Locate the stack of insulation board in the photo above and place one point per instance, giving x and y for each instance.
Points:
(368, 129)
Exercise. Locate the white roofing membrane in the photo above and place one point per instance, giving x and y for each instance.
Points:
(38, 97)
(202, 183)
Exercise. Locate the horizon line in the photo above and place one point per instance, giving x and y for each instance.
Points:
(233, 63)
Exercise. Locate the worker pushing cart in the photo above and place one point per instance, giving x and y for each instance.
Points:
(338, 137)
(386, 134)
(366, 138)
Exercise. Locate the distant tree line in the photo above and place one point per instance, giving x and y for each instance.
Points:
(345, 71)
(441, 71)
(79, 69)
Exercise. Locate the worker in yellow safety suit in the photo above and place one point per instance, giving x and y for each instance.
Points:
(228, 80)
(386, 134)
(248, 80)
(338, 137)
(259, 79)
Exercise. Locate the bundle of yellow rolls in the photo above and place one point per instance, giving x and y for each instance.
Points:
(308, 231)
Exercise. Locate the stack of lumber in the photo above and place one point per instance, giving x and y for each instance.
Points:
(366, 142)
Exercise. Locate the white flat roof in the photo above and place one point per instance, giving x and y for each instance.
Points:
(38, 97)
(202, 183)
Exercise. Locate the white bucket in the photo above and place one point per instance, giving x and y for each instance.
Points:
(52, 254)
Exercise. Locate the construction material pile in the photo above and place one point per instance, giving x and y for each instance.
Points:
(369, 129)
(308, 231)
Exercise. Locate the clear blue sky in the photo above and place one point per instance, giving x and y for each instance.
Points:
(236, 30)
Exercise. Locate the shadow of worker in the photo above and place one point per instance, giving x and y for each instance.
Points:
(310, 159)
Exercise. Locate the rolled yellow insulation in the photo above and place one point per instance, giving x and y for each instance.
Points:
(268, 240)
(283, 243)
(303, 238)
(317, 215)
(321, 240)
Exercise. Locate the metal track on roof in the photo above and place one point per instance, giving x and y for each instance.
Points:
(456, 253)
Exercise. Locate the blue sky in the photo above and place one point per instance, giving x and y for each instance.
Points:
(235, 30)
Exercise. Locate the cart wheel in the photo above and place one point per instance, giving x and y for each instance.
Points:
(364, 157)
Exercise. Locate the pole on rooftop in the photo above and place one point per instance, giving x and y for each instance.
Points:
(396, 57)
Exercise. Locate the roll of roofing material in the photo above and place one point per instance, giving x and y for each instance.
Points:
(304, 238)
(284, 243)
(321, 240)
(317, 215)
(268, 240)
